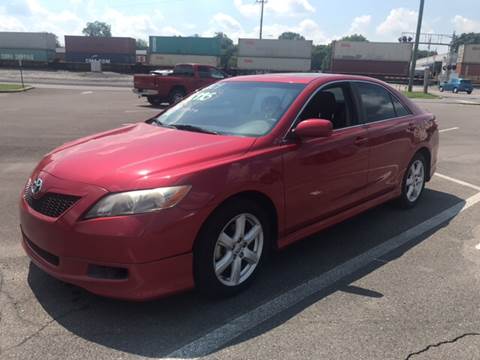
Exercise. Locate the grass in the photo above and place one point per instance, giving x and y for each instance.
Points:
(420, 95)
(12, 87)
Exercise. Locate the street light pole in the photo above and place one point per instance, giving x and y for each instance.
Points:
(415, 48)
(262, 2)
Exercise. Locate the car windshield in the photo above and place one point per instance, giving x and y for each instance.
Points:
(233, 108)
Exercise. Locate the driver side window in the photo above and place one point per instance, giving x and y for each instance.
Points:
(334, 103)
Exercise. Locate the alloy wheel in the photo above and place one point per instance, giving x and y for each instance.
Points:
(415, 180)
(238, 249)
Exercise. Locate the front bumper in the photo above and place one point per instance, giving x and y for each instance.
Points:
(154, 250)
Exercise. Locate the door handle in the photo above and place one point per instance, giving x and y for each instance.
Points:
(360, 141)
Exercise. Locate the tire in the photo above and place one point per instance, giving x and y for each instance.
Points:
(412, 192)
(176, 95)
(154, 100)
(216, 248)
(441, 89)
(469, 92)
(455, 90)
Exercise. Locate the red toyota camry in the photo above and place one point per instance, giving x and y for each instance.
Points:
(200, 194)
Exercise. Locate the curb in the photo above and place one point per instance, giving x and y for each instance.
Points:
(26, 88)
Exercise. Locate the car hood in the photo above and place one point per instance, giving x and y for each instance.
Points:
(120, 159)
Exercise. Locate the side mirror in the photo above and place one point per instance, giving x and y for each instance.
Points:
(314, 128)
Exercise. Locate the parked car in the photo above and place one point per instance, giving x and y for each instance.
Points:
(172, 86)
(456, 86)
(200, 194)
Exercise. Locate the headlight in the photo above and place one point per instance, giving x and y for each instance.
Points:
(138, 202)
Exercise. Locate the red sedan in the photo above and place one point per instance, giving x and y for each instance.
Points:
(200, 194)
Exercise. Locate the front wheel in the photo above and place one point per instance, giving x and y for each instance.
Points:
(176, 95)
(441, 89)
(469, 92)
(413, 182)
(455, 90)
(231, 248)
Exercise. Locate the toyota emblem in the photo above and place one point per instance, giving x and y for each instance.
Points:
(36, 186)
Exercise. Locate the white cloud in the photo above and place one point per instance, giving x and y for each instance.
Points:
(249, 8)
(399, 20)
(360, 24)
(465, 25)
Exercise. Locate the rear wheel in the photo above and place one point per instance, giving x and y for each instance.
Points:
(176, 95)
(154, 100)
(469, 92)
(455, 90)
(231, 248)
(441, 89)
(413, 182)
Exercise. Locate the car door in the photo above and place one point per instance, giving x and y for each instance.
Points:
(324, 176)
(390, 128)
(205, 76)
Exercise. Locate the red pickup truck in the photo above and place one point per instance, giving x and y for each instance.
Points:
(172, 86)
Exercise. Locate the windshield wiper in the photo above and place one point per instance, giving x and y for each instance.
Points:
(192, 128)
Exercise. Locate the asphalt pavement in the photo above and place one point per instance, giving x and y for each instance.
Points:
(388, 284)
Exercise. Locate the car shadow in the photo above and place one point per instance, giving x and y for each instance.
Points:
(157, 328)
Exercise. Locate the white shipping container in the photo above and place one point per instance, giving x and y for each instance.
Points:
(268, 48)
(353, 50)
(273, 64)
(27, 40)
(172, 60)
(469, 54)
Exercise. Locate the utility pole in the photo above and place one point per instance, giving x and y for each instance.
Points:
(262, 2)
(415, 48)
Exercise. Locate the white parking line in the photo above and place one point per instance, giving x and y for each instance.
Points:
(220, 336)
(87, 92)
(477, 247)
(449, 129)
(460, 182)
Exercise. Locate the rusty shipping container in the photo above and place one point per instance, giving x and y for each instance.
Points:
(469, 71)
(371, 67)
(469, 54)
(99, 45)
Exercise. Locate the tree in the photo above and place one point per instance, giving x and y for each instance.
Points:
(98, 29)
(141, 44)
(57, 42)
(288, 35)
(228, 49)
(354, 37)
(320, 55)
(425, 53)
(465, 38)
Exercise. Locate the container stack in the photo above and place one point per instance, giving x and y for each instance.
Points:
(27, 46)
(371, 58)
(107, 50)
(168, 51)
(274, 55)
(468, 63)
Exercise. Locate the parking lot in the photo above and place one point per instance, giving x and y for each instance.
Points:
(389, 284)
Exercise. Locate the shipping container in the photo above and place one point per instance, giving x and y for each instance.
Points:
(273, 64)
(141, 57)
(469, 54)
(27, 40)
(356, 50)
(468, 71)
(370, 67)
(27, 55)
(267, 48)
(103, 58)
(169, 60)
(99, 45)
(176, 45)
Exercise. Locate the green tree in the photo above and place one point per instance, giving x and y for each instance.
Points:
(57, 42)
(465, 38)
(141, 44)
(354, 37)
(288, 35)
(228, 50)
(98, 29)
(321, 57)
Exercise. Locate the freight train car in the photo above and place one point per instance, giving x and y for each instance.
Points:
(30, 47)
(107, 50)
(468, 63)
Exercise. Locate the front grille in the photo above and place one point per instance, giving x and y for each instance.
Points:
(45, 255)
(50, 204)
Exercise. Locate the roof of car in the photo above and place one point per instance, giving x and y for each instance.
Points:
(296, 78)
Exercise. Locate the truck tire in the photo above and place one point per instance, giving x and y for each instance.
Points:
(176, 95)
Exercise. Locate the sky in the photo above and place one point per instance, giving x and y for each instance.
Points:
(319, 20)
